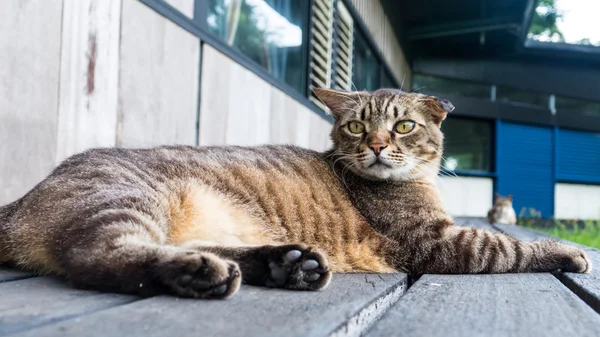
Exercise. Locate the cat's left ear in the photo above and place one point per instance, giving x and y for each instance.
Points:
(337, 101)
(440, 107)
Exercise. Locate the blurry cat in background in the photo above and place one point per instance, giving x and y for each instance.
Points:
(502, 211)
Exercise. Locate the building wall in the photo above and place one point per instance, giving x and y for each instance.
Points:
(380, 28)
(100, 73)
(577, 201)
(93, 84)
(467, 196)
(239, 108)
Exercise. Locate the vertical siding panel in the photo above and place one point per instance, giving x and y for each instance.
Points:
(526, 153)
(239, 108)
(89, 76)
(578, 156)
(215, 92)
(248, 106)
(30, 36)
(158, 91)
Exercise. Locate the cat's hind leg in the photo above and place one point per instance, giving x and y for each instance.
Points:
(120, 253)
(289, 266)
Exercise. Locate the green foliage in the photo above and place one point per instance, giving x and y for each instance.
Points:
(589, 235)
(543, 23)
(585, 232)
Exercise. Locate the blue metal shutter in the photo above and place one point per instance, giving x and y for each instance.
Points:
(578, 156)
(525, 167)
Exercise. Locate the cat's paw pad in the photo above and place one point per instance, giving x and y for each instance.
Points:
(298, 267)
(198, 275)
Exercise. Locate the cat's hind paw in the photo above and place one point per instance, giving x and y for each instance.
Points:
(299, 267)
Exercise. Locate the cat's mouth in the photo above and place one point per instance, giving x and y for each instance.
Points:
(378, 163)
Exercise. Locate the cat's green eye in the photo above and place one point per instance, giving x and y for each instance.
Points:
(356, 127)
(405, 126)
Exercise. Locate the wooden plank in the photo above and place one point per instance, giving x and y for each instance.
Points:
(586, 286)
(89, 76)
(347, 307)
(522, 233)
(489, 305)
(34, 302)
(29, 81)
(9, 274)
(158, 91)
(475, 223)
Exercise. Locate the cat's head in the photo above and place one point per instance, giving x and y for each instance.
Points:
(503, 201)
(387, 134)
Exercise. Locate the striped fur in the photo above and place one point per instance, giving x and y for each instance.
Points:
(197, 221)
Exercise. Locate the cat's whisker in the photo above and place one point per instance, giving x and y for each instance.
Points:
(416, 90)
(402, 84)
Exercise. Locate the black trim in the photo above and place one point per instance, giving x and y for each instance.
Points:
(527, 17)
(481, 108)
(576, 80)
(200, 9)
(192, 27)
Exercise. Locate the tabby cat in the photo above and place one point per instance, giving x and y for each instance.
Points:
(502, 211)
(197, 221)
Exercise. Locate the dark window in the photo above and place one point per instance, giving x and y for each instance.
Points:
(367, 66)
(270, 32)
(577, 105)
(387, 81)
(468, 144)
(517, 96)
(432, 84)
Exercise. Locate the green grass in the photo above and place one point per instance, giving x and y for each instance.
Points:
(585, 232)
(586, 236)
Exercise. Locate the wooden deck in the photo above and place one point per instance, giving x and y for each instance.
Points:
(370, 305)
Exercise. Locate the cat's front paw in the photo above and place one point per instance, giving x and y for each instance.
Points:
(576, 260)
(298, 267)
(197, 275)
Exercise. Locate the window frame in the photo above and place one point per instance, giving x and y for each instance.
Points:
(491, 155)
(198, 27)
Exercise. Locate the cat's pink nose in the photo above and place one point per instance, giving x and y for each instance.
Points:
(377, 147)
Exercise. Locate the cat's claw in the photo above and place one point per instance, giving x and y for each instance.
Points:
(299, 267)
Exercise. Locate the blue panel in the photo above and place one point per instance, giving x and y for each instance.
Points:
(525, 167)
(578, 156)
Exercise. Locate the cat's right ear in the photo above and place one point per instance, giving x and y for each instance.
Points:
(337, 101)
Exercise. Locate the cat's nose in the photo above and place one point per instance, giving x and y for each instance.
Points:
(377, 147)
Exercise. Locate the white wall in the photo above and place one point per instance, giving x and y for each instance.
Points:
(467, 196)
(576, 201)
(239, 108)
(77, 74)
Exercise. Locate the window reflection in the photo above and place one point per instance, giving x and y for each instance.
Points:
(468, 144)
(270, 32)
(367, 67)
